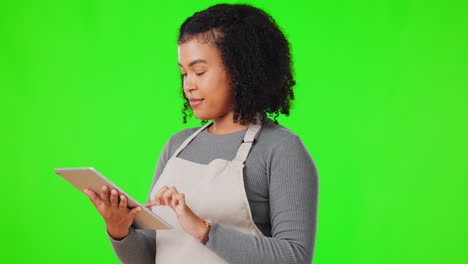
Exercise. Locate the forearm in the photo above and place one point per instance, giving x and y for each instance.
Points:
(240, 248)
(138, 246)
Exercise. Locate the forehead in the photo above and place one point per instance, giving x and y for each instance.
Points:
(195, 49)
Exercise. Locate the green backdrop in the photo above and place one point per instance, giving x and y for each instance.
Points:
(381, 106)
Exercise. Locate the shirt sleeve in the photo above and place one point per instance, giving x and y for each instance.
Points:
(293, 201)
(139, 246)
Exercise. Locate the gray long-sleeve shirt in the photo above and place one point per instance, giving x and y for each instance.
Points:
(281, 183)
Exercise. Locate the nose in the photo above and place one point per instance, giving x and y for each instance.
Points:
(189, 84)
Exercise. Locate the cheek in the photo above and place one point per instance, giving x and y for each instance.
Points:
(221, 91)
(216, 90)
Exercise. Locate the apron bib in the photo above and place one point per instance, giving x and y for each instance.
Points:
(214, 191)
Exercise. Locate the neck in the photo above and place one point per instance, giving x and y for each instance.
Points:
(225, 125)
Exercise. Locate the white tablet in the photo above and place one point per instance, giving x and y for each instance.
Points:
(88, 177)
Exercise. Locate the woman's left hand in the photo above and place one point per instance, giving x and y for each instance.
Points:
(188, 220)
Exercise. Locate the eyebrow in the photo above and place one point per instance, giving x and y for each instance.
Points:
(194, 62)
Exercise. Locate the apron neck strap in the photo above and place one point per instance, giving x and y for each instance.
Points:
(250, 136)
(244, 149)
(189, 139)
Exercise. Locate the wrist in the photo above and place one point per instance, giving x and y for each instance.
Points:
(117, 234)
(204, 235)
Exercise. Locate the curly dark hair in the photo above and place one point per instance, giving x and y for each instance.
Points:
(255, 53)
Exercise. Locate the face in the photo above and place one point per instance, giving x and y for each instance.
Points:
(205, 80)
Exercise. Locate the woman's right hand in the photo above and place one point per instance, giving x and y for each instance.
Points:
(116, 214)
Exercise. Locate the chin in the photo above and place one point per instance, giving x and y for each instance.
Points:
(203, 116)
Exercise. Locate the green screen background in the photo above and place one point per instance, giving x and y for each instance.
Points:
(381, 106)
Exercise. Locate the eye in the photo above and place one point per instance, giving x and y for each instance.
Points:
(200, 73)
(183, 75)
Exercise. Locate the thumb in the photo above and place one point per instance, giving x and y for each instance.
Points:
(135, 211)
(93, 197)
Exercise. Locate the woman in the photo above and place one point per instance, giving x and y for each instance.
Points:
(242, 188)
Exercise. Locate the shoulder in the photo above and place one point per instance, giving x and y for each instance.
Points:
(273, 135)
(277, 144)
(176, 139)
(285, 153)
(183, 134)
(282, 155)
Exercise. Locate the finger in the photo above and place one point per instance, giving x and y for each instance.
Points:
(176, 200)
(123, 202)
(167, 196)
(150, 204)
(157, 197)
(135, 211)
(105, 195)
(181, 199)
(114, 198)
(93, 197)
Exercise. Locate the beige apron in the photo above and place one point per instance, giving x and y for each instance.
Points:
(214, 191)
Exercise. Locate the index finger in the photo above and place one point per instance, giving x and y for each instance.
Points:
(150, 204)
(158, 195)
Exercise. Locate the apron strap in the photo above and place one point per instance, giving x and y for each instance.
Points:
(246, 145)
(244, 149)
(189, 139)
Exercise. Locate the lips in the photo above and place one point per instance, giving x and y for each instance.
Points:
(195, 101)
